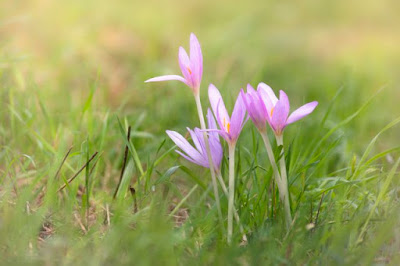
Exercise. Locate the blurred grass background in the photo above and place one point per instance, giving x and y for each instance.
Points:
(67, 68)
(309, 48)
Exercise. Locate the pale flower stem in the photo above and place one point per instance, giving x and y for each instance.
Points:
(235, 213)
(280, 181)
(279, 141)
(207, 144)
(231, 190)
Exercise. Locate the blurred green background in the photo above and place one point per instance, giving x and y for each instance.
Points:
(309, 48)
(67, 68)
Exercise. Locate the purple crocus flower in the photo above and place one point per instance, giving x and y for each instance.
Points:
(191, 66)
(230, 127)
(198, 153)
(255, 107)
(278, 109)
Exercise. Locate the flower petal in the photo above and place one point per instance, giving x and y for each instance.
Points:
(238, 114)
(196, 140)
(268, 95)
(216, 152)
(196, 58)
(218, 106)
(185, 146)
(250, 89)
(185, 65)
(255, 107)
(212, 124)
(285, 101)
(301, 112)
(280, 113)
(167, 77)
(200, 136)
(201, 163)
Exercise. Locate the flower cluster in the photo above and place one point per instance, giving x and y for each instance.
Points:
(198, 153)
(262, 107)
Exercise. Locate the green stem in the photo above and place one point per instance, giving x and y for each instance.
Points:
(280, 180)
(279, 141)
(212, 171)
(231, 191)
(235, 213)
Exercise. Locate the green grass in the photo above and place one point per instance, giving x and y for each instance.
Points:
(71, 77)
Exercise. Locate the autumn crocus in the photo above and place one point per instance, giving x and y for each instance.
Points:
(278, 109)
(197, 154)
(191, 66)
(278, 118)
(262, 106)
(230, 128)
(255, 107)
(192, 72)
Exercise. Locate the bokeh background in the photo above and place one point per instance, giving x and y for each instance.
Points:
(309, 48)
(68, 69)
(59, 59)
(72, 67)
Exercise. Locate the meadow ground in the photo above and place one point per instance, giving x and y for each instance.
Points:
(72, 81)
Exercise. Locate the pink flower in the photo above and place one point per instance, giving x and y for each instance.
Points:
(191, 66)
(198, 153)
(278, 109)
(230, 127)
(255, 107)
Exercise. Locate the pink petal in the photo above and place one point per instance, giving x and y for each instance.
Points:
(280, 114)
(196, 57)
(195, 139)
(285, 101)
(250, 89)
(301, 112)
(185, 65)
(259, 105)
(198, 162)
(268, 95)
(218, 106)
(238, 114)
(167, 77)
(216, 152)
(200, 137)
(212, 124)
(184, 145)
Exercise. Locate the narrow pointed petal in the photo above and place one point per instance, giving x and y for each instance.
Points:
(212, 124)
(256, 108)
(195, 139)
(220, 132)
(224, 135)
(301, 112)
(184, 145)
(279, 117)
(185, 65)
(200, 136)
(285, 101)
(250, 89)
(238, 114)
(196, 58)
(216, 152)
(267, 94)
(198, 162)
(167, 77)
(218, 106)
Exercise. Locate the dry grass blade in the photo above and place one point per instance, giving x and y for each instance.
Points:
(124, 163)
(62, 162)
(77, 173)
